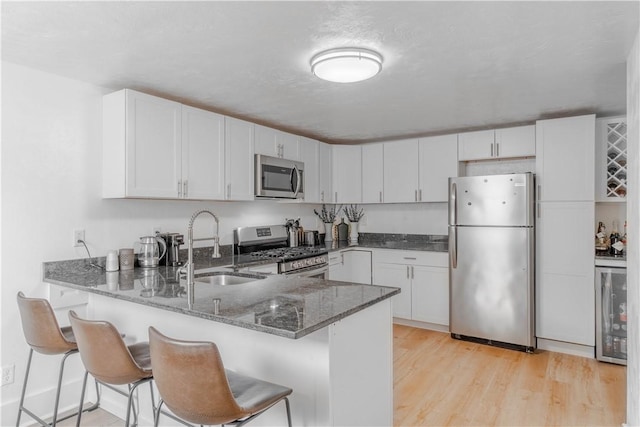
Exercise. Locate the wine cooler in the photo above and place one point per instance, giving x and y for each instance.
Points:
(611, 314)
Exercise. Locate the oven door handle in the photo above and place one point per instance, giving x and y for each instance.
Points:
(309, 271)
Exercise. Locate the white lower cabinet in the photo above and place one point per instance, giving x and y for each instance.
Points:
(350, 265)
(423, 278)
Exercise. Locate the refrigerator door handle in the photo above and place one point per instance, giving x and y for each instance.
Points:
(453, 204)
(453, 247)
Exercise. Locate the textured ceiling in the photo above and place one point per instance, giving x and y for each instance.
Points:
(448, 66)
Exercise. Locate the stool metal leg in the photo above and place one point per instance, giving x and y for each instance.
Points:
(24, 387)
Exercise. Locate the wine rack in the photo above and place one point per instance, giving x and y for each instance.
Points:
(616, 177)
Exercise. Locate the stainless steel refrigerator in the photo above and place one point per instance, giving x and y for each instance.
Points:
(491, 259)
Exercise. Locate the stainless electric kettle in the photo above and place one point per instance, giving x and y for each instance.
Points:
(150, 254)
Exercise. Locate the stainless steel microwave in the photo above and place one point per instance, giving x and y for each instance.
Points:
(278, 178)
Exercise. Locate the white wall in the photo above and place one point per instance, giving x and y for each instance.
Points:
(633, 232)
(51, 185)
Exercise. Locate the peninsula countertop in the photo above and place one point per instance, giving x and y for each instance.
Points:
(286, 306)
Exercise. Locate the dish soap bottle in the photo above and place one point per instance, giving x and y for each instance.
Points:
(343, 231)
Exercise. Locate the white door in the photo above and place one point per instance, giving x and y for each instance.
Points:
(565, 273)
(516, 142)
(396, 275)
(202, 154)
(347, 173)
(430, 294)
(565, 158)
(309, 156)
(476, 145)
(239, 166)
(438, 162)
(325, 172)
(401, 171)
(153, 129)
(372, 173)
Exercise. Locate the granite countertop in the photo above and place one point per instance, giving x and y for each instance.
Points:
(405, 242)
(286, 306)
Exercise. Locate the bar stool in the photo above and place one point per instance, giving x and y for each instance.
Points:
(110, 361)
(44, 335)
(193, 383)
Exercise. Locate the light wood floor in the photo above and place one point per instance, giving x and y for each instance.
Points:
(439, 381)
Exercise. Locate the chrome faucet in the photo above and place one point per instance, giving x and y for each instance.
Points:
(189, 268)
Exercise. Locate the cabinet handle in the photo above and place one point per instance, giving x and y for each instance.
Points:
(538, 209)
(492, 150)
(342, 259)
(412, 275)
(381, 197)
(179, 188)
(228, 191)
(322, 196)
(407, 271)
(497, 149)
(185, 188)
(420, 194)
(336, 198)
(407, 257)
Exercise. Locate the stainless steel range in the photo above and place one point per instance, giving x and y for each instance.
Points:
(270, 242)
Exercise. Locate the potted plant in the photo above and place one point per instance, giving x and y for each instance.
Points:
(354, 215)
(328, 216)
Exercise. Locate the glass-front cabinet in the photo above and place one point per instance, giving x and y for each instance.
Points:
(611, 315)
(611, 159)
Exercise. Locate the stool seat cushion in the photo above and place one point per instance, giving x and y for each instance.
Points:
(254, 395)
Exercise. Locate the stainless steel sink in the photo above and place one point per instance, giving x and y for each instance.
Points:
(226, 279)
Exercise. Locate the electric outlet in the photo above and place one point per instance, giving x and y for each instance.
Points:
(7, 374)
(77, 236)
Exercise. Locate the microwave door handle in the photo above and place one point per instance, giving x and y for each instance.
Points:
(296, 190)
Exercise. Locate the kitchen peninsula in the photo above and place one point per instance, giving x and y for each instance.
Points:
(329, 341)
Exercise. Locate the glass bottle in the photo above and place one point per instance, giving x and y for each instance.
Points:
(616, 245)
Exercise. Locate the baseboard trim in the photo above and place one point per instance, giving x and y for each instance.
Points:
(567, 348)
(421, 325)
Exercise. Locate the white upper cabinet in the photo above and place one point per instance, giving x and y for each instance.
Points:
(401, 171)
(372, 173)
(347, 173)
(611, 159)
(565, 151)
(325, 172)
(497, 143)
(202, 155)
(309, 156)
(438, 157)
(239, 164)
(275, 143)
(141, 146)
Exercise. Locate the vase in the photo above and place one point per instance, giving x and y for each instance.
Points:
(328, 231)
(353, 232)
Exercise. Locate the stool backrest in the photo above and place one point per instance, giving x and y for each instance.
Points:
(104, 353)
(40, 326)
(191, 379)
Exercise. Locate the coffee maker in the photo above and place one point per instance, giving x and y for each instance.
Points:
(173, 241)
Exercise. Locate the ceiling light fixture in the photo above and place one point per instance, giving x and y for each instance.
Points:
(346, 65)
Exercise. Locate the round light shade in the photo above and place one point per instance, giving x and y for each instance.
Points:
(346, 65)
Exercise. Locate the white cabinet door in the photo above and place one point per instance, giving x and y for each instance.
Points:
(275, 143)
(438, 161)
(309, 156)
(565, 151)
(358, 264)
(401, 171)
(430, 294)
(141, 145)
(516, 142)
(396, 275)
(239, 166)
(347, 174)
(202, 154)
(372, 173)
(476, 145)
(337, 268)
(288, 144)
(325, 172)
(565, 308)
